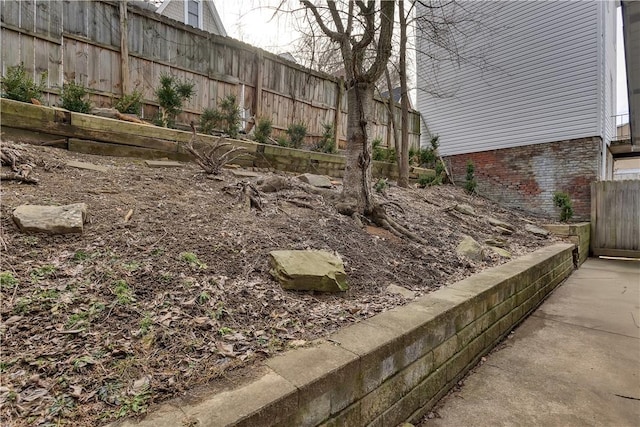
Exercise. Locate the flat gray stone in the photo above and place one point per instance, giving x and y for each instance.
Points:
(498, 223)
(319, 181)
(504, 231)
(471, 249)
(399, 290)
(163, 164)
(241, 173)
(465, 209)
(502, 252)
(309, 270)
(87, 166)
(536, 230)
(51, 219)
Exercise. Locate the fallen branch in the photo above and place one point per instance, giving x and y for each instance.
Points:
(13, 176)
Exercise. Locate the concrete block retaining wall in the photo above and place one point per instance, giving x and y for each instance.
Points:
(392, 367)
(578, 234)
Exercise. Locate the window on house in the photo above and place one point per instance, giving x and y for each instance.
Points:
(193, 13)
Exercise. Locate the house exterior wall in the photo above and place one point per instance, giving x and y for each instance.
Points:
(538, 79)
(527, 177)
(608, 75)
(175, 10)
(533, 108)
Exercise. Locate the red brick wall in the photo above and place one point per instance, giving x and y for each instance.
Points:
(526, 177)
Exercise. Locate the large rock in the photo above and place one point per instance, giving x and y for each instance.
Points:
(51, 219)
(502, 252)
(471, 249)
(541, 232)
(319, 181)
(273, 184)
(465, 209)
(497, 223)
(309, 270)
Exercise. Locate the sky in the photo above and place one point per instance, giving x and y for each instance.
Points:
(253, 22)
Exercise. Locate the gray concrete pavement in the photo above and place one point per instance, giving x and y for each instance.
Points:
(574, 362)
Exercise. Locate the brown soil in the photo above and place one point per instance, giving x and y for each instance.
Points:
(103, 324)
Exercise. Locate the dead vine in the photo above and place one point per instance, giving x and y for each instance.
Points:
(213, 158)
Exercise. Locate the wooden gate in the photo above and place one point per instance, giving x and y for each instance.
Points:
(615, 218)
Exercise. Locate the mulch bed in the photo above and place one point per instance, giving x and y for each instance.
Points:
(132, 312)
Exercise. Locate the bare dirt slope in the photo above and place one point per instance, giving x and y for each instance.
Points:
(101, 325)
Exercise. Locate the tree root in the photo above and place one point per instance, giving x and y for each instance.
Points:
(247, 193)
(381, 218)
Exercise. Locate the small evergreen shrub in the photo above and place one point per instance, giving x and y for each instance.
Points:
(470, 180)
(74, 98)
(296, 133)
(283, 141)
(263, 131)
(381, 185)
(19, 86)
(226, 118)
(563, 201)
(129, 104)
(326, 144)
(377, 150)
(428, 155)
(425, 180)
(172, 94)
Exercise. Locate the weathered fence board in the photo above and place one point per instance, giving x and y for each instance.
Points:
(85, 47)
(615, 218)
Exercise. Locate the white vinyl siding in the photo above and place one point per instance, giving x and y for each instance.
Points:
(534, 79)
(197, 13)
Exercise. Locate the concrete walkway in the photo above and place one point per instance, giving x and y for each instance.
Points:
(574, 362)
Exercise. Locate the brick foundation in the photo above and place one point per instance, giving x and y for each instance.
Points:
(526, 177)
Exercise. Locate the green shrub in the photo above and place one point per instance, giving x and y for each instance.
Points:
(296, 133)
(226, 118)
(424, 180)
(129, 104)
(563, 201)
(327, 143)
(378, 153)
(470, 181)
(19, 86)
(283, 141)
(263, 131)
(381, 185)
(382, 154)
(172, 94)
(74, 98)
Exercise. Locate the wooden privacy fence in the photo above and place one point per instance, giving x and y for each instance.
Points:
(615, 218)
(81, 41)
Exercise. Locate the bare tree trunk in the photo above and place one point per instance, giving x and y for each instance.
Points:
(357, 176)
(392, 116)
(403, 155)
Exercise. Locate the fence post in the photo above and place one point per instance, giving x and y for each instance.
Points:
(124, 47)
(257, 95)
